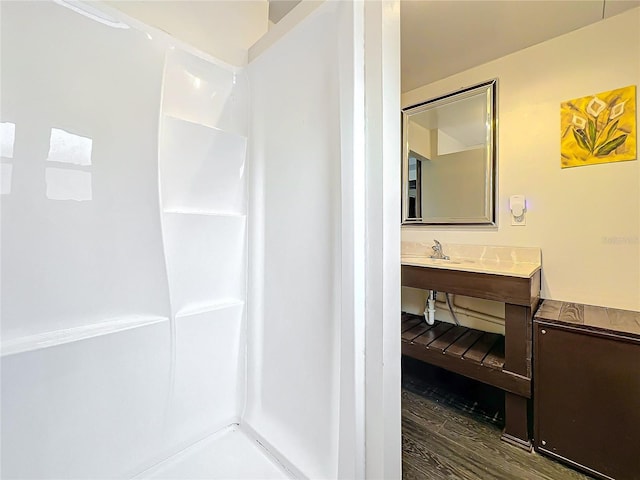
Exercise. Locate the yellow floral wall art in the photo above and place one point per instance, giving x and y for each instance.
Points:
(599, 128)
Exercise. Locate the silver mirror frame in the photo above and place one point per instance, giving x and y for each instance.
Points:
(489, 216)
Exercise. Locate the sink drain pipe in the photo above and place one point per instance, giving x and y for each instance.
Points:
(430, 308)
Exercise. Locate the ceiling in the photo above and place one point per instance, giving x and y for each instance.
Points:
(441, 38)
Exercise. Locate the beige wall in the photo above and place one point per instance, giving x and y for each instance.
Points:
(586, 219)
(420, 140)
(231, 27)
(453, 179)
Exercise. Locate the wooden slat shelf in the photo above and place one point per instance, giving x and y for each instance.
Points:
(472, 353)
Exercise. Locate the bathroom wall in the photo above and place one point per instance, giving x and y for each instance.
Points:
(122, 308)
(437, 182)
(469, 165)
(231, 27)
(586, 220)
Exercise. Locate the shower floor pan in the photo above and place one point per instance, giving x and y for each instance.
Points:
(229, 454)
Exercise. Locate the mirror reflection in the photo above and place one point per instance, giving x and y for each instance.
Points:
(449, 158)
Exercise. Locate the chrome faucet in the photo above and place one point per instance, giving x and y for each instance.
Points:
(437, 251)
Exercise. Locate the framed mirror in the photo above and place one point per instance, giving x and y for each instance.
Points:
(449, 158)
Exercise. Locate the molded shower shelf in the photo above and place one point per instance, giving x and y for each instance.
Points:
(203, 125)
(197, 309)
(204, 213)
(201, 168)
(205, 258)
(205, 92)
(58, 337)
(208, 372)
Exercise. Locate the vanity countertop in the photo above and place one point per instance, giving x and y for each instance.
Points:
(497, 260)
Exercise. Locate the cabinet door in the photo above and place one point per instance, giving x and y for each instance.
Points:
(587, 400)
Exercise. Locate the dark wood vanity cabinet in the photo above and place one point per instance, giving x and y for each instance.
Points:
(512, 372)
(587, 388)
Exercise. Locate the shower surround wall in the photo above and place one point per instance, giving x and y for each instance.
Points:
(323, 383)
(294, 343)
(122, 309)
(126, 351)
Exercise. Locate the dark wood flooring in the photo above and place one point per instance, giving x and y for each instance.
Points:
(451, 429)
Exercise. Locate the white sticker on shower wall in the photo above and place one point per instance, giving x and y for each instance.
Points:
(68, 147)
(7, 139)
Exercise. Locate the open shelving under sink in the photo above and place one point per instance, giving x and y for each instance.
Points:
(463, 350)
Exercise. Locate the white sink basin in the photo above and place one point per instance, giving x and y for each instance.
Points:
(510, 261)
(435, 261)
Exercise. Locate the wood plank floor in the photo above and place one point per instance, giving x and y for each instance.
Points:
(440, 440)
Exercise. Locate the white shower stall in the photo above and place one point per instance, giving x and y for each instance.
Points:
(200, 262)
